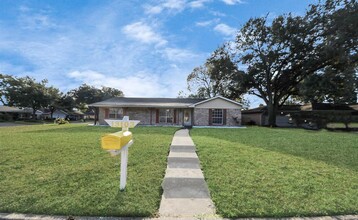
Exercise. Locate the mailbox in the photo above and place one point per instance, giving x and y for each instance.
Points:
(116, 141)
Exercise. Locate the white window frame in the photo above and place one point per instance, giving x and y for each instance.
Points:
(217, 114)
(166, 116)
(115, 113)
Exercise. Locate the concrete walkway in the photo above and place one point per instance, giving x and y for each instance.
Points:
(186, 193)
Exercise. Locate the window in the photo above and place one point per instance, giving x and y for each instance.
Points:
(115, 113)
(217, 116)
(166, 116)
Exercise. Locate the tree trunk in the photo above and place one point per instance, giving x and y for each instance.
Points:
(272, 109)
(34, 114)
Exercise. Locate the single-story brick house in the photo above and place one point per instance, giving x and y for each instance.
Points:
(216, 111)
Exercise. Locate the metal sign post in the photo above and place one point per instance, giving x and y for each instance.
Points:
(119, 142)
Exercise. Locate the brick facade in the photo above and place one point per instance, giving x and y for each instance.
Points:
(201, 117)
(233, 117)
(146, 116)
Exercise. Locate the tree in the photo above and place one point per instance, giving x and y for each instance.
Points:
(280, 55)
(331, 85)
(54, 96)
(108, 92)
(218, 76)
(86, 94)
(66, 102)
(26, 92)
(200, 83)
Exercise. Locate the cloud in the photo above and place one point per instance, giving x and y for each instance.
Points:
(30, 18)
(207, 23)
(233, 2)
(179, 55)
(143, 33)
(157, 9)
(134, 57)
(169, 5)
(225, 29)
(142, 84)
(173, 6)
(198, 3)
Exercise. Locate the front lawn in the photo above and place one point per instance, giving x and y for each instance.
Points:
(267, 172)
(61, 169)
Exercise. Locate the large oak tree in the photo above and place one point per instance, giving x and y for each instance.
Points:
(281, 54)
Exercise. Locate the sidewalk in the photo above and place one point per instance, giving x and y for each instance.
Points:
(186, 193)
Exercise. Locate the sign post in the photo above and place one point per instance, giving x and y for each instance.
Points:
(119, 142)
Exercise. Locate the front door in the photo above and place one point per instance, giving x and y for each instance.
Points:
(187, 117)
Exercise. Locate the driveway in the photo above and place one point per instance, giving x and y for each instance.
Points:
(11, 124)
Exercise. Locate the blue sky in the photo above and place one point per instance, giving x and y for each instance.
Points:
(144, 48)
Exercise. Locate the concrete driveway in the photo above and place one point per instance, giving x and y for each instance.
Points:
(11, 124)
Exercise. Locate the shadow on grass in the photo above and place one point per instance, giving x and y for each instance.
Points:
(338, 149)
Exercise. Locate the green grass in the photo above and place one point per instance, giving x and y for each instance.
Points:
(61, 169)
(263, 172)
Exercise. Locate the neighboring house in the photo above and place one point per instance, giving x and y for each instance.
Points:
(73, 115)
(217, 111)
(259, 116)
(57, 114)
(15, 113)
(89, 114)
(308, 113)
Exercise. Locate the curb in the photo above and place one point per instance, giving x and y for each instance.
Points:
(16, 216)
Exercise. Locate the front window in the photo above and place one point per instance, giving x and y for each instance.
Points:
(217, 116)
(166, 116)
(115, 113)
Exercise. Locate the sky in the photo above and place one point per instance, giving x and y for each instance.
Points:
(146, 48)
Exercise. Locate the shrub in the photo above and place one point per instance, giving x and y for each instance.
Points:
(6, 117)
(61, 121)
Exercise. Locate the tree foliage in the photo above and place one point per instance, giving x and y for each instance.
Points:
(281, 54)
(330, 86)
(218, 76)
(86, 94)
(26, 92)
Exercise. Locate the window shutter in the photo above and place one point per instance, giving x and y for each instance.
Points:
(157, 116)
(106, 113)
(210, 116)
(175, 116)
(224, 116)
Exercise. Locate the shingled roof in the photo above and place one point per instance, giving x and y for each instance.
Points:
(14, 109)
(147, 102)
